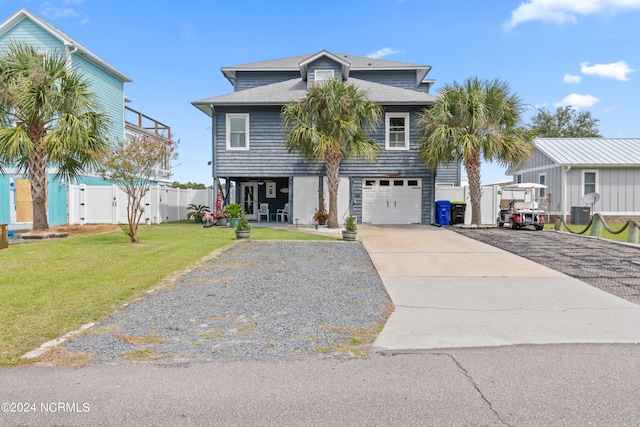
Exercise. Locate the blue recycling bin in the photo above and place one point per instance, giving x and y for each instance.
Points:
(443, 210)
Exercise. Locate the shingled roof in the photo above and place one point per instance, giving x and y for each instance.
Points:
(352, 62)
(284, 92)
(296, 89)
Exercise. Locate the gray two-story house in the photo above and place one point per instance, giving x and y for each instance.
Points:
(249, 153)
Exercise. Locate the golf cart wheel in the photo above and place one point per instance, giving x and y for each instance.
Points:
(539, 227)
(499, 223)
(512, 224)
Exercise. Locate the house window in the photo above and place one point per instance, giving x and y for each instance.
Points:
(589, 182)
(397, 131)
(542, 192)
(237, 131)
(518, 179)
(322, 75)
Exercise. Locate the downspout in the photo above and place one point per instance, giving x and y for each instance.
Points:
(565, 171)
(214, 160)
(71, 49)
(433, 195)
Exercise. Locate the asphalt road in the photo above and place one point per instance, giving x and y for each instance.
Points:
(558, 385)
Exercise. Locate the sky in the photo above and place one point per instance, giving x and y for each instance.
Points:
(552, 53)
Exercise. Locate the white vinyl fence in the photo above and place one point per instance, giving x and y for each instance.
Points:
(488, 204)
(108, 204)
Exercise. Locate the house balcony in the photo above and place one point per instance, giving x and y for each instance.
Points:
(138, 124)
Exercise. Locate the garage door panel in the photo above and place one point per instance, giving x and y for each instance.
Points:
(392, 201)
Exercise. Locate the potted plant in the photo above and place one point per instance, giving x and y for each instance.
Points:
(220, 218)
(350, 228)
(233, 212)
(243, 229)
(321, 214)
(197, 212)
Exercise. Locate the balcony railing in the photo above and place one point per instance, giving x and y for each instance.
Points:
(140, 124)
(146, 123)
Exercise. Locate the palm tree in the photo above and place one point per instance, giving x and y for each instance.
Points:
(47, 119)
(329, 125)
(476, 120)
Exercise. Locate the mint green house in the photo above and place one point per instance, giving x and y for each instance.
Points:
(106, 82)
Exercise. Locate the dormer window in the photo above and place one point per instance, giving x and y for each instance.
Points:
(322, 75)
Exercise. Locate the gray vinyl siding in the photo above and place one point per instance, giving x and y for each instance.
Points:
(251, 79)
(356, 198)
(619, 190)
(448, 173)
(402, 79)
(538, 160)
(554, 188)
(323, 64)
(267, 155)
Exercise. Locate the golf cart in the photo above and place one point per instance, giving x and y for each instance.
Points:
(520, 207)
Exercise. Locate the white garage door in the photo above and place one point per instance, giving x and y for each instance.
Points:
(392, 200)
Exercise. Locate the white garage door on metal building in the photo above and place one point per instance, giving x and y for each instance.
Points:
(391, 200)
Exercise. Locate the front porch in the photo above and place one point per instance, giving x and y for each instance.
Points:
(264, 200)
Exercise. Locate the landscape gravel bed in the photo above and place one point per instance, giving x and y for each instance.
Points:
(607, 265)
(256, 300)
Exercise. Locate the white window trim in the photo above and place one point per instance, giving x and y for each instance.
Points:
(315, 75)
(230, 116)
(407, 126)
(586, 171)
(542, 192)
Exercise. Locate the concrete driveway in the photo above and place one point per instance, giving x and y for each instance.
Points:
(451, 291)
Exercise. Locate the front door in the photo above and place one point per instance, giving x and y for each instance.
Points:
(249, 199)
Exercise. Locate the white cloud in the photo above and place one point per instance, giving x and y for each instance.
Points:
(53, 12)
(615, 70)
(578, 101)
(382, 53)
(563, 11)
(569, 78)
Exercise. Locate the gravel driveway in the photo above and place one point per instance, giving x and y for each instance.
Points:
(610, 266)
(257, 300)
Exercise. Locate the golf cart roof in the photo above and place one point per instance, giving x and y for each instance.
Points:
(523, 186)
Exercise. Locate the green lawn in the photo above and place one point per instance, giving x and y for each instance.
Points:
(50, 288)
(615, 226)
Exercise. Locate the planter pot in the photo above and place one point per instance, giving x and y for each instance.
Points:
(349, 235)
(233, 222)
(242, 234)
(323, 222)
(222, 222)
(199, 219)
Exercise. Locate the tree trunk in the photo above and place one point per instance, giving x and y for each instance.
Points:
(472, 165)
(332, 166)
(132, 218)
(38, 178)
